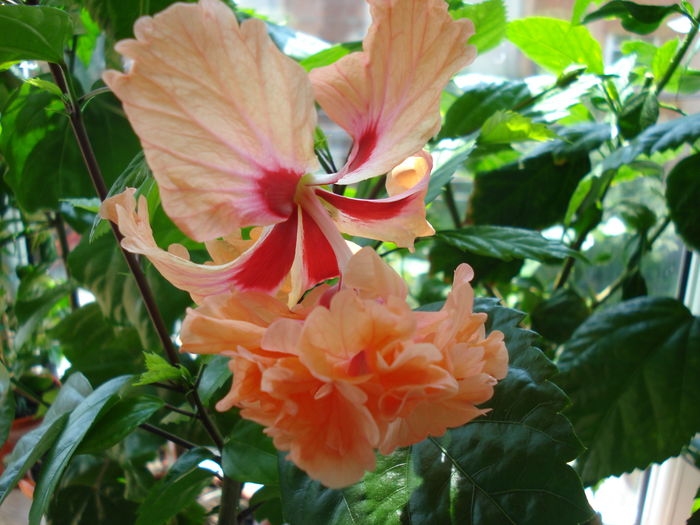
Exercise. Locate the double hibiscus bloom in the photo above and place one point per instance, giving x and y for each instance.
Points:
(227, 123)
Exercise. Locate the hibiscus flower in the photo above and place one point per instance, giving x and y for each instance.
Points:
(227, 122)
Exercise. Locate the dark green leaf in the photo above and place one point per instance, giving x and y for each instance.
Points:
(79, 422)
(177, 490)
(116, 290)
(118, 422)
(633, 373)
(216, 373)
(531, 193)
(634, 285)
(556, 44)
(249, 455)
(636, 18)
(377, 499)
(33, 444)
(506, 243)
(117, 17)
(445, 258)
(489, 18)
(36, 135)
(7, 404)
(33, 33)
(268, 505)
(91, 505)
(32, 313)
(556, 318)
(640, 112)
(656, 139)
(509, 466)
(97, 348)
(683, 196)
(479, 102)
(444, 172)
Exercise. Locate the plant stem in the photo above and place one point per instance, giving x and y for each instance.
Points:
(230, 494)
(206, 420)
(452, 204)
(679, 55)
(63, 241)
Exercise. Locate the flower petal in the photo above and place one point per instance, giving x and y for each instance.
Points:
(387, 97)
(262, 267)
(226, 120)
(399, 218)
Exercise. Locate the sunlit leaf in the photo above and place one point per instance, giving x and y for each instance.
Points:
(556, 44)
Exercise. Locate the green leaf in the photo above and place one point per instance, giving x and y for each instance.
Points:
(506, 243)
(117, 17)
(118, 422)
(330, 55)
(639, 112)
(683, 196)
(556, 318)
(33, 33)
(177, 490)
(662, 58)
(443, 173)
(158, 369)
(249, 455)
(534, 191)
(97, 348)
(556, 44)
(37, 134)
(33, 312)
(489, 18)
(633, 373)
(504, 127)
(7, 404)
(216, 373)
(636, 18)
(656, 139)
(469, 112)
(83, 504)
(377, 499)
(35, 443)
(116, 291)
(79, 422)
(509, 466)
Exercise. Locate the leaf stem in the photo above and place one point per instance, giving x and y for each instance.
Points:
(452, 205)
(167, 435)
(679, 54)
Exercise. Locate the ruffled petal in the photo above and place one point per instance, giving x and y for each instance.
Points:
(399, 218)
(387, 97)
(226, 120)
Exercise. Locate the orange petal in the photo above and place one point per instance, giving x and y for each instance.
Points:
(387, 97)
(399, 218)
(372, 277)
(226, 120)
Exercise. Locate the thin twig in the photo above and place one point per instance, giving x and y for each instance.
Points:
(675, 62)
(187, 413)
(63, 241)
(167, 435)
